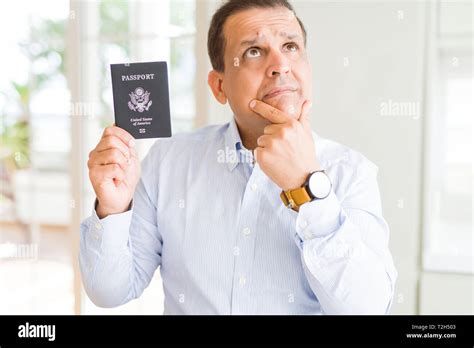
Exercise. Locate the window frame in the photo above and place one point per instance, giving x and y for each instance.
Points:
(450, 260)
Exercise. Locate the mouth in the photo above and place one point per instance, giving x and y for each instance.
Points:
(274, 92)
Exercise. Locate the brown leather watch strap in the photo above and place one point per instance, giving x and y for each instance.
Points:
(295, 198)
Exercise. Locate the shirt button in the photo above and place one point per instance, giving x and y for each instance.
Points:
(303, 224)
(242, 280)
(254, 187)
(246, 231)
(98, 226)
(95, 236)
(308, 235)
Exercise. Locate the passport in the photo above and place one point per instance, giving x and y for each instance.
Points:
(141, 99)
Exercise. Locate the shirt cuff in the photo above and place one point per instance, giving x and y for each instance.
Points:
(318, 218)
(112, 230)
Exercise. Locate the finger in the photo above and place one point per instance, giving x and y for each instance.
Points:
(257, 152)
(125, 136)
(110, 156)
(269, 112)
(260, 154)
(113, 142)
(134, 154)
(272, 128)
(264, 140)
(305, 109)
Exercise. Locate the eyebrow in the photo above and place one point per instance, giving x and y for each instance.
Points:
(251, 42)
(290, 36)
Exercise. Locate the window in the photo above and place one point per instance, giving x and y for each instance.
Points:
(448, 236)
(55, 99)
(34, 160)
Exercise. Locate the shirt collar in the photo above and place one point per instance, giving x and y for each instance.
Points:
(233, 143)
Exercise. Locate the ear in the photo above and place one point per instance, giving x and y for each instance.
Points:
(215, 81)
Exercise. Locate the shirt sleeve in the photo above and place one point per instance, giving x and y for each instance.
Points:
(120, 253)
(344, 249)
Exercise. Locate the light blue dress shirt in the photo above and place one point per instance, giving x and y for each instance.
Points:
(214, 224)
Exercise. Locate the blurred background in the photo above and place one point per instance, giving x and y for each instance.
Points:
(392, 79)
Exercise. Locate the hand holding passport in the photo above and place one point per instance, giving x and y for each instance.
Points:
(141, 104)
(141, 99)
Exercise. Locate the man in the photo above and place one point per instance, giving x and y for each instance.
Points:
(259, 216)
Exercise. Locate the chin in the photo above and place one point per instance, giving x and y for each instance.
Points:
(288, 104)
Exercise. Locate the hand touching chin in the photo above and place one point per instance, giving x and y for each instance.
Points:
(288, 103)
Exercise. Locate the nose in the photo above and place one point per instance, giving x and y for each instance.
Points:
(279, 64)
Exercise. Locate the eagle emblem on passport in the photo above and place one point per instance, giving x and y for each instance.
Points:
(139, 100)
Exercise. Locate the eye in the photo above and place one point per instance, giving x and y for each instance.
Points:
(292, 47)
(252, 52)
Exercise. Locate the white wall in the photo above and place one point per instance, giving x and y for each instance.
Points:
(446, 293)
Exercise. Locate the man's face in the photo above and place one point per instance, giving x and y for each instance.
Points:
(265, 59)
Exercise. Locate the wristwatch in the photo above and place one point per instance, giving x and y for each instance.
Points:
(316, 186)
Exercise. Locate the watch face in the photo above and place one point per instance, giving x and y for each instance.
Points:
(319, 185)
